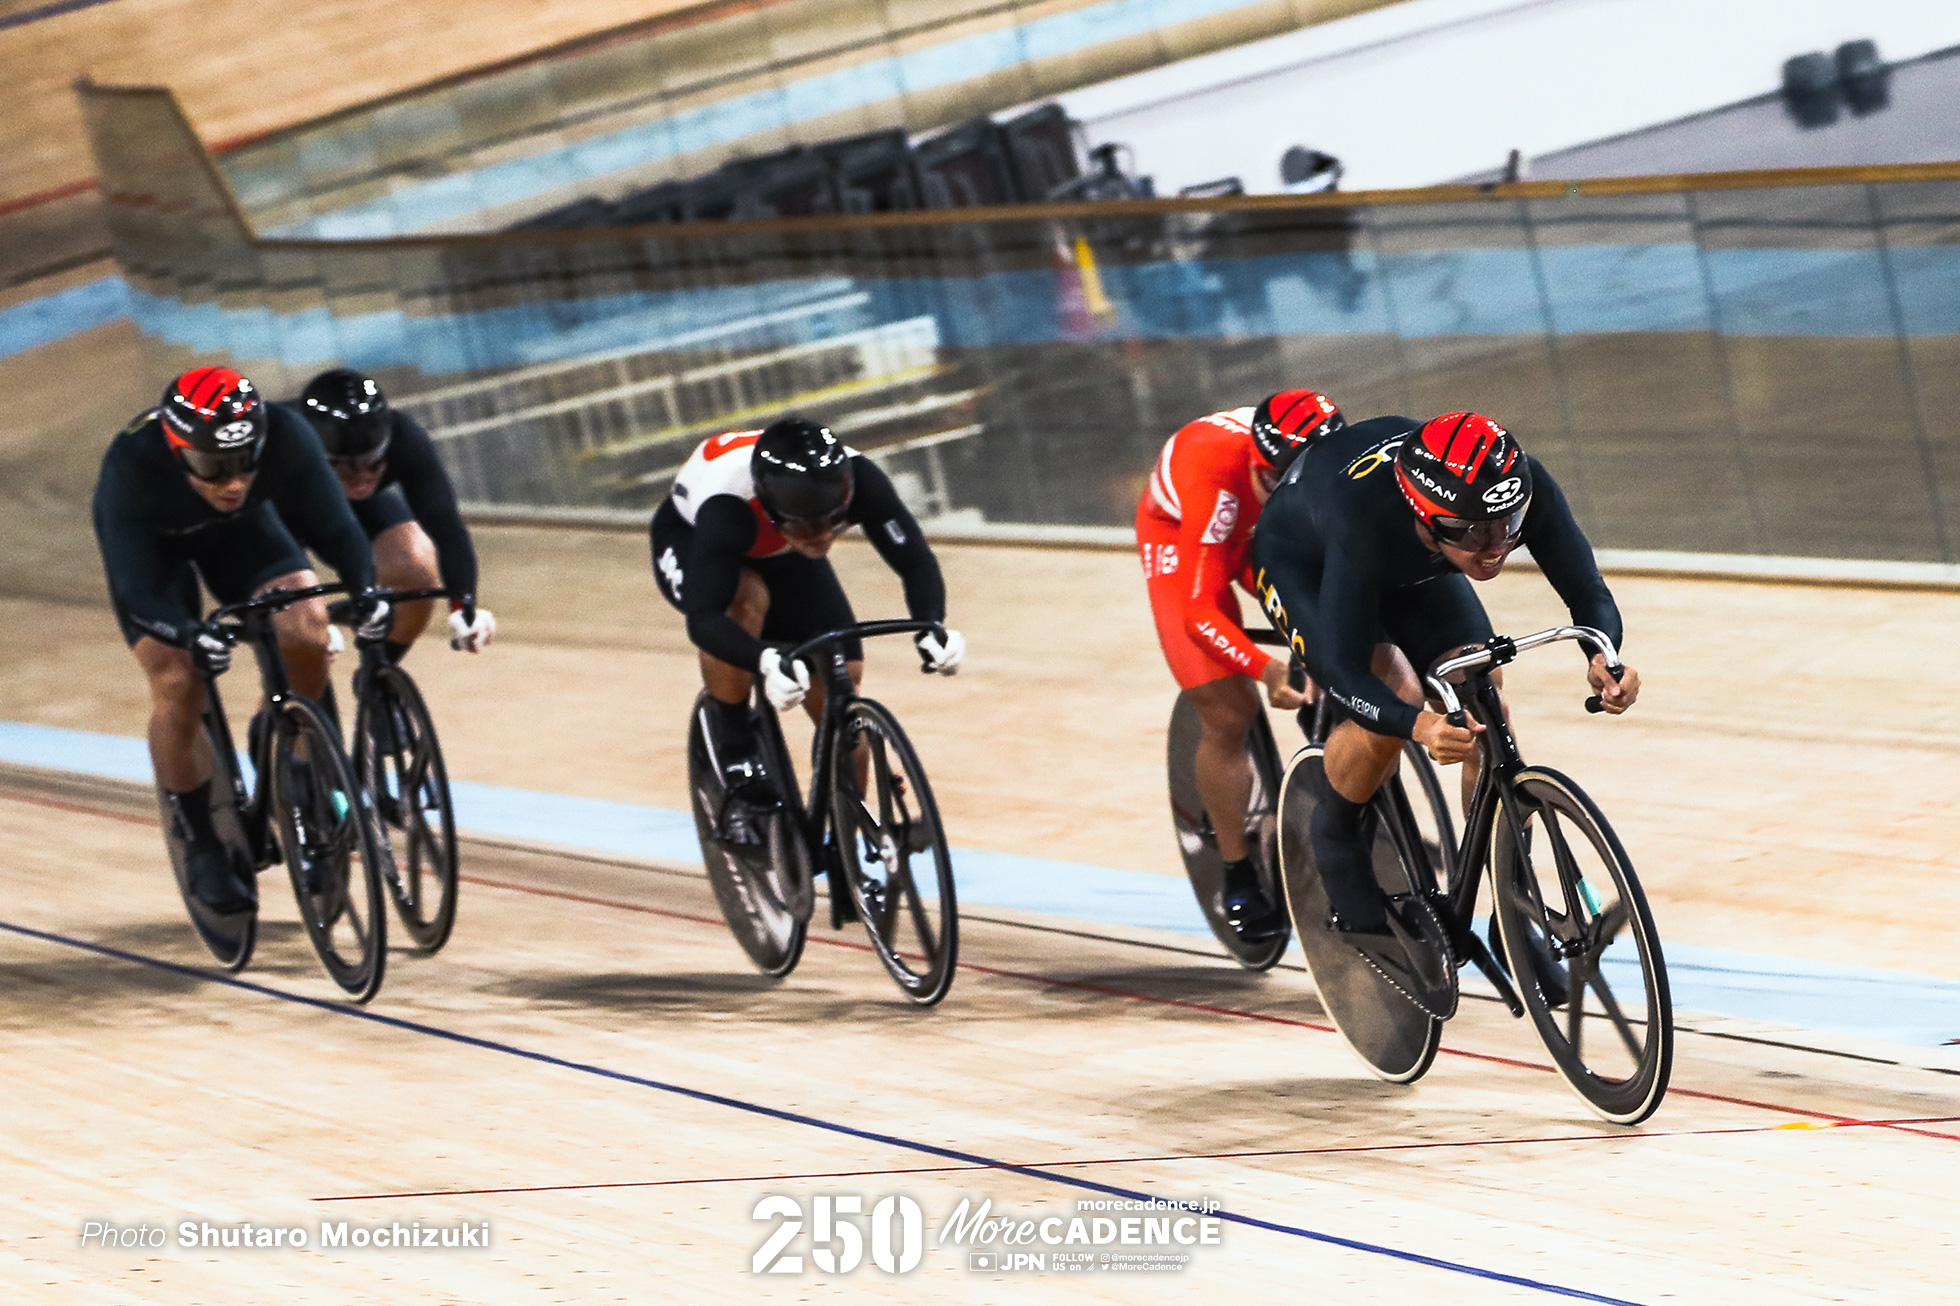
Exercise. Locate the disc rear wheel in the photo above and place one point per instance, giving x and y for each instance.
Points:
(764, 890)
(230, 936)
(1198, 842)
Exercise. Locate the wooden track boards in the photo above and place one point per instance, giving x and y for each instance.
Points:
(141, 1090)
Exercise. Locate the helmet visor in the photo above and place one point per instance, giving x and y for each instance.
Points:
(354, 464)
(1480, 536)
(806, 528)
(223, 465)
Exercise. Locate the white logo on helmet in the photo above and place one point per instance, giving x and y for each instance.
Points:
(1503, 491)
(233, 434)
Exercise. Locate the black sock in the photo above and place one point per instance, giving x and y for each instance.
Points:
(1343, 847)
(195, 804)
(733, 732)
(395, 649)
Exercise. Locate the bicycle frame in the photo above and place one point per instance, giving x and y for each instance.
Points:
(1494, 791)
(252, 623)
(834, 673)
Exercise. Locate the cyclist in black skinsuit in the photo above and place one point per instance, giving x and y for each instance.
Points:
(740, 547)
(206, 486)
(403, 499)
(1368, 546)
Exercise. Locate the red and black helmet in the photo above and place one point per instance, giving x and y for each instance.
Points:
(1283, 425)
(215, 423)
(1466, 479)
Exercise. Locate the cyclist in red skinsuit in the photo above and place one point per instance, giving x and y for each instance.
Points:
(1194, 530)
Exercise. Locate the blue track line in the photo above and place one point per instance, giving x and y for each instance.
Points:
(791, 1117)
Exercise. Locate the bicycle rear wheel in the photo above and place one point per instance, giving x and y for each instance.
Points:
(1582, 948)
(881, 826)
(1199, 844)
(764, 893)
(334, 850)
(398, 761)
(1388, 997)
(229, 936)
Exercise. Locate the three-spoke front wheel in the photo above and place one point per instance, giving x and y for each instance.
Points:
(893, 851)
(1580, 942)
(333, 849)
(398, 761)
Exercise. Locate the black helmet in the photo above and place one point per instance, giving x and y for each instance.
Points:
(1283, 425)
(351, 415)
(215, 423)
(1465, 478)
(802, 476)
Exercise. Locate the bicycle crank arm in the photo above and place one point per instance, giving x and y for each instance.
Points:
(1473, 948)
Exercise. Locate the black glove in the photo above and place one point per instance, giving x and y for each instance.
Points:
(209, 652)
(378, 621)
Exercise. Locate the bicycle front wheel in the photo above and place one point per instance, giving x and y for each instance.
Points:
(1581, 945)
(398, 761)
(894, 853)
(333, 847)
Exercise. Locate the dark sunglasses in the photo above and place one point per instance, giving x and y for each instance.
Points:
(810, 527)
(225, 465)
(1480, 536)
(361, 462)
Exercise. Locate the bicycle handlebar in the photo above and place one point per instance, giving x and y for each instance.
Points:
(1501, 650)
(865, 629)
(342, 613)
(273, 600)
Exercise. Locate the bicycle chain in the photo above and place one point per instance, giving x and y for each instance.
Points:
(1395, 984)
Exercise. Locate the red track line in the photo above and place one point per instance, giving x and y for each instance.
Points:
(1207, 1008)
(1120, 1160)
(1027, 977)
(49, 196)
(58, 805)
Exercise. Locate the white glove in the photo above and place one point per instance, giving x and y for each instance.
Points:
(335, 643)
(378, 623)
(210, 653)
(471, 636)
(943, 658)
(784, 687)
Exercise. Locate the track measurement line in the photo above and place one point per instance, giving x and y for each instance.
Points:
(1205, 1008)
(1066, 1163)
(968, 1159)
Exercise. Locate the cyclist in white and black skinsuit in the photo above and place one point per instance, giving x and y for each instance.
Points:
(1370, 543)
(740, 547)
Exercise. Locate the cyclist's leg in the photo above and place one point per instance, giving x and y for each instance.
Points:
(302, 630)
(255, 553)
(1358, 762)
(1434, 622)
(1226, 702)
(808, 600)
(179, 752)
(404, 559)
(1226, 709)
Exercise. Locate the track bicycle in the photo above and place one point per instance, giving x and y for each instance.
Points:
(303, 808)
(398, 761)
(1582, 956)
(868, 822)
(1197, 841)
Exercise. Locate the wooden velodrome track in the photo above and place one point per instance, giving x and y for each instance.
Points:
(592, 1068)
